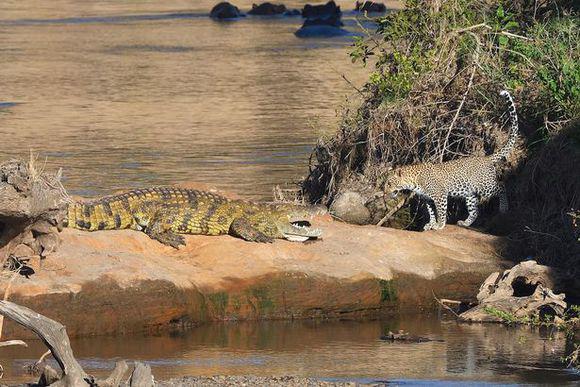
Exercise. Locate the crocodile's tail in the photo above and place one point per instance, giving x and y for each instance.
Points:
(95, 216)
(511, 142)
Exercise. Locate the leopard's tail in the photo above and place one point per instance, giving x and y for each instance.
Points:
(511, 142)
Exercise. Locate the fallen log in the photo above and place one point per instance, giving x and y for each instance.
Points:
(521, 293)
(53, 334)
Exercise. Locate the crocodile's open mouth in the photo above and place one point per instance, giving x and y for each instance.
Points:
(300, 231)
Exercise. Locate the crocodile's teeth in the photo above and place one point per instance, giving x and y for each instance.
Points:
(296, 238)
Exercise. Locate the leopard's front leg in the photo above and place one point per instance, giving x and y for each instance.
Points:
(432, 219)
(440, 201)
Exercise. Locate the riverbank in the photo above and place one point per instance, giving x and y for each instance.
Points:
(130, 283)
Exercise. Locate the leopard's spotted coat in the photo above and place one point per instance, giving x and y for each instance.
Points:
(472, 178)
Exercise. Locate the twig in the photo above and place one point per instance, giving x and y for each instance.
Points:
(574, 357)
(475, 61)
(444, 306)
(393, 210)
(488, 27)
(352, 85)
(6, 295)
(44, 355)
(12, 342)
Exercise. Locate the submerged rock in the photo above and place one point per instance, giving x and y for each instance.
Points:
(128, 282)
(224, 11)
(324, 11)
(321, 21)
(293, 12)
(370, 6)
(267, 9)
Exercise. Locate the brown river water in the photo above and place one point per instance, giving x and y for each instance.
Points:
(343, 350)
(126, 94)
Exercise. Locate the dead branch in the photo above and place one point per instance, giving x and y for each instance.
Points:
(395, 208)
(446, 307)
(116, 376)
(12, 342)
(53, 334)
(574, 357)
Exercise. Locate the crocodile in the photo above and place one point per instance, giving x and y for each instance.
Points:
(163, 213)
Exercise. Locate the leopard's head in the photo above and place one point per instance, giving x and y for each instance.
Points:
(399, 179)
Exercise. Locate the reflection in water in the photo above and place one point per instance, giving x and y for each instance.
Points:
(127, 94)
(349, 350)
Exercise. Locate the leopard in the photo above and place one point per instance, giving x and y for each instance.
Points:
(473, 178)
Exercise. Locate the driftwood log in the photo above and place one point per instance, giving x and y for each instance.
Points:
(524, 291)
(54, 335)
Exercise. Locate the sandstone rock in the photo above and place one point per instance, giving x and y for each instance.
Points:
(350, 207)
(111, 282)
(23, 251)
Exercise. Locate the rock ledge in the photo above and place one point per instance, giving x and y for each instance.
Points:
(112, 282)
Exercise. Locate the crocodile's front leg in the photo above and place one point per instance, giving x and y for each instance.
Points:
(159, 228)
(244, 229)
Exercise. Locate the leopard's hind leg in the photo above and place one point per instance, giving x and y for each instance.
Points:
(471, 202)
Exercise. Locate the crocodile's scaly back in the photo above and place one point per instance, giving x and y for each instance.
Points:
(134, 209)
(164, 212)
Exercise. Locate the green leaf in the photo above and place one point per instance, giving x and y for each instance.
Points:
(511, 25)
(500, 12)
(503, 40)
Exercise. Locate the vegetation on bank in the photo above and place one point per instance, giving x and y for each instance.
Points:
(433, 96)
(567, 323)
